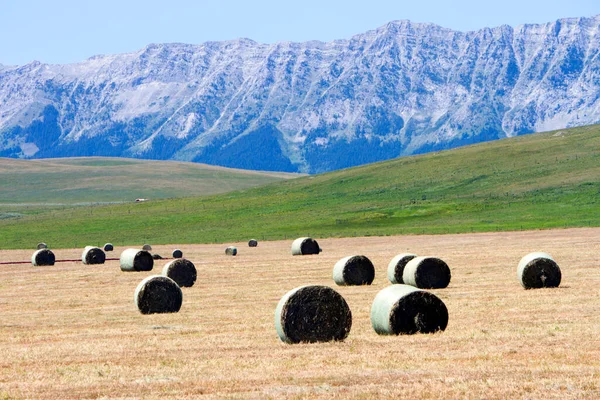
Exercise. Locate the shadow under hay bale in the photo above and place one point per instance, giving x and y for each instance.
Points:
(136, 260)
(147, 247)
(397, 265)
(231, 251)
(93, 255)
(427, 273)
(538, 270)
(252, 243)
(43, 257)
(312, 314)
(158, 294)
(305, 246)
(182, 271)
(108, 247)
(405, 310)
(177, 253)
(353, 271)
(41, 246)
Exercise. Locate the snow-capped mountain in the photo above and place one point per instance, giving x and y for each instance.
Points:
(401, 89)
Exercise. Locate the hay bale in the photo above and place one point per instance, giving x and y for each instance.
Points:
(177, 253)
(405, 310)
(136, 260)
(397, 265)
(538, 270)
(427, 273)
(252, 243)
(182, 271)
(305, 246)
(108, 247)
(158, 294)
(312, 314)
(93, 255)
(147, 247)
(231, 251)
(353, 271)
(41, 246)
(43, 257)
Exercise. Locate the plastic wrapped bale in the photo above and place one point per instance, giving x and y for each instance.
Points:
(252, 243)
(405, 310)
(177, 253)
(231, 251)
(108, 247)
(182, 271)
(147, 247)
(158, 294)
(312, 314)
(354, 271)
(41, 246)
(427, 273)
(43, 257)
(305, 246)
(538, 270)
(93, 255)
(397, 265)
(136, 260)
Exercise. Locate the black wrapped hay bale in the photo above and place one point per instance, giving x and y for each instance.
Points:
(93, 255)
(147, 247)
(252, 243)
(182, 271)
(157, 256)
(231, 251)
(41, 246)
(396, 267)
(43, 257)
(354, 270)
(538, 270)
(305, 246)
(177, 253)
(158, 294)
(427, 273)
(108, 247)
(136, 260)
(405, 310)
(312, 314)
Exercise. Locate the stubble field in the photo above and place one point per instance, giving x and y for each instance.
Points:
(72, 331)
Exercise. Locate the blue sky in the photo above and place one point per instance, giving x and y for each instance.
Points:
(65, 31)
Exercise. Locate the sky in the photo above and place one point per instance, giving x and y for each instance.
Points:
(69, 31)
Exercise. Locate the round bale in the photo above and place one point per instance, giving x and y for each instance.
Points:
(108, 247)
(396, 267)
(43, 257)
(231, 251)
(177, 253)
(354, 271)
(427, 273)
(538, 270)
(312, 314)
(147, 247)
(136, 260)
(252, 243)
(405, 310)
(305, 246)
(93, 255)
(158, 294)
(41, 246)
(182, 271)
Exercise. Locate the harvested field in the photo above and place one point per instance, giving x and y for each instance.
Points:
(70, 331)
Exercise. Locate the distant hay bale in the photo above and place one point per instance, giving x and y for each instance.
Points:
(43, 257)
(136, 260)
(252, 243)
(41, 246)
(93, 255)
(427, 273)
(108, 247)
(305, 246)
(354, 270)
(157, 256)
(177, 253)
(405, 310)
(147, 247)
(538, 270)
(158, 294)
(397, 265)
(312, 314)
(231, 251)
(182, 271)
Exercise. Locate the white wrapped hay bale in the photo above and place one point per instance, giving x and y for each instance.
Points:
(305, 246)
(182, 271)
(108, 247)
(397, 265)
(177, 253)
(312, 314)
(43, 257)
(231, 251)
(136, 260)
(353, 271)
(41, 246)
(426, 273)
(93, 255)
(158, 294)
(405, 310)
(538, 270)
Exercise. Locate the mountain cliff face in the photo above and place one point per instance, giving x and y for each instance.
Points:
(402, 89)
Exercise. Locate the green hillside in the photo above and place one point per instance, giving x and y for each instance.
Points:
(536, 181)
